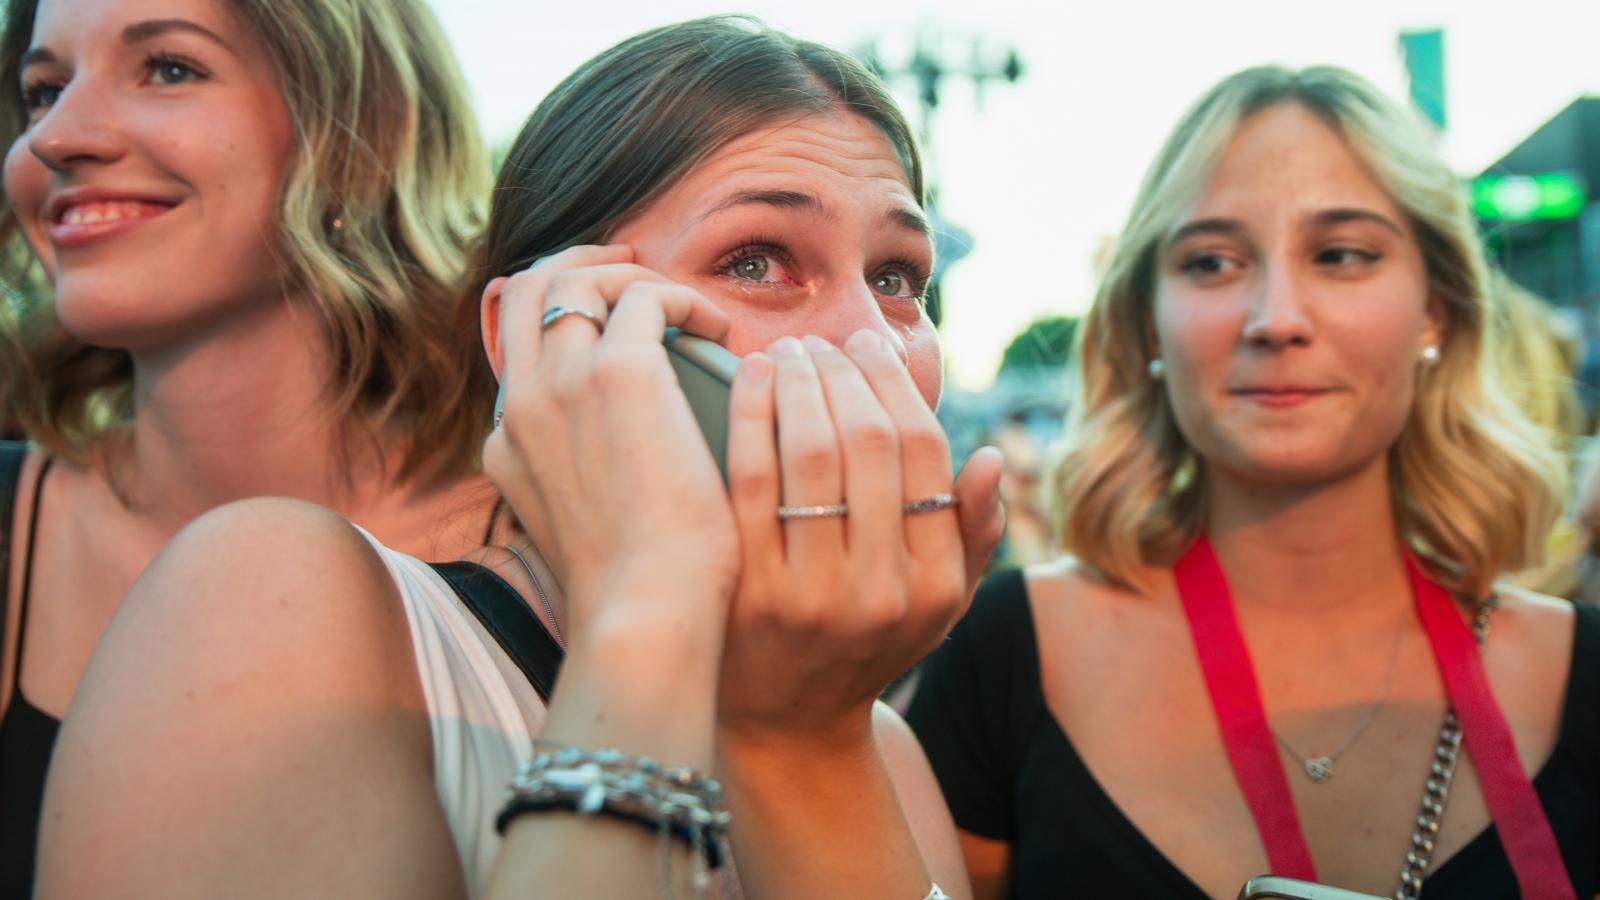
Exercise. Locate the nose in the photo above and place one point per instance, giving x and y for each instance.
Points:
(78, 128)
(855, 307)
(1279, 314)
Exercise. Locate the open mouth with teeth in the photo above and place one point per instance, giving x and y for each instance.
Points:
(114, 211)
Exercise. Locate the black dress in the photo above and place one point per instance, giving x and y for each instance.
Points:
(1010, 773)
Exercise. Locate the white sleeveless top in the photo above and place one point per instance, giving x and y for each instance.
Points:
(481, 709)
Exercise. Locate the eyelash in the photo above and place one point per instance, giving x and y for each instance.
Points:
(34, 90)
(915, 272)
(1366, 256)
(158, 59)
(1192, 264)
(33, 93)
(754, 246)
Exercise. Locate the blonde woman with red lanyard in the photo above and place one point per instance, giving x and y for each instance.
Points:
(1288, 495)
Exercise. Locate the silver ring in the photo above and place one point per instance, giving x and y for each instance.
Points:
(929, 504)
(829, 511)
(555, 313)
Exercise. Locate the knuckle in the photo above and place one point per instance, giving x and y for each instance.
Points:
(522, 414)
(615, 369)
(875, 438)
(815, 459)
(884, 605)
(804, 618)
(639, 292)
(566, 281)
(747, 479)
(925, 443)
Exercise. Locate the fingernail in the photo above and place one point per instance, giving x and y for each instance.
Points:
(755, 367)
(814, 344)
(865, 343)
(786, 346)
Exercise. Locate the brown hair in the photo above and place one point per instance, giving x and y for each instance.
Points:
(629, 122)
(387, 143)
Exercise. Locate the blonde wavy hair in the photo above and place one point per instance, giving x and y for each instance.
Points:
(377, 213)
(1474, 485)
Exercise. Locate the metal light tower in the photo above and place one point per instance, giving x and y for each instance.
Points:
(933, 57)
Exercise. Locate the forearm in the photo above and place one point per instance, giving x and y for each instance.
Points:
(819, 820)
(644, 688)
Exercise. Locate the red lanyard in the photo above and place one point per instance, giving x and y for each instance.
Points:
(1236, 699)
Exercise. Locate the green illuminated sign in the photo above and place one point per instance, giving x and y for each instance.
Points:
(1518, 198)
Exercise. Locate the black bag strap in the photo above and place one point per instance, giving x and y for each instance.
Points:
(501, 610)
(12, 453)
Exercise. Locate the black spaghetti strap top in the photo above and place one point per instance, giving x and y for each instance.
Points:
(27, 737)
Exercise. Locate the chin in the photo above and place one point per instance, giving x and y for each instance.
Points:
(125, 321)
(1298, 469)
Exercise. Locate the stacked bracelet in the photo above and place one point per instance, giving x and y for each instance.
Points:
(676, 802)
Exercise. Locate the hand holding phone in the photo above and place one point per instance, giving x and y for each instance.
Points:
(705, 373)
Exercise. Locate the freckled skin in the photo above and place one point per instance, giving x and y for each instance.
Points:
(1288, 300)
(836, 251)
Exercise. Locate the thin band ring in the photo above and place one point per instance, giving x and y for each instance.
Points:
(828, 511)
(929, 503)
(555, 313)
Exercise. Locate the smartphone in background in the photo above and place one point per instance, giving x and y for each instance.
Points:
(705, 372)
(1275, 887)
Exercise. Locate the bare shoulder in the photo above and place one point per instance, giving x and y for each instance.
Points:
(1528, 656)
(258, 571)
(259, 687)
(1067, 580)
(1067, 596)
(1537, 622)
(1531, 634)
(252, 602)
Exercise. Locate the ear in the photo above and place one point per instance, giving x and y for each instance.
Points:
(489, 323)
(1436, 323)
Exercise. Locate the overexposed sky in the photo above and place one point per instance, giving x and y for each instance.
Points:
(1044, 172)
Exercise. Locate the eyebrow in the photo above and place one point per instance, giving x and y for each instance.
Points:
(901, 216)
(1226, 227)
(133, 34)
(1337, 216)
(1232, 227)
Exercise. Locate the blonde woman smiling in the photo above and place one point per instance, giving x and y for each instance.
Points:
(253, 218)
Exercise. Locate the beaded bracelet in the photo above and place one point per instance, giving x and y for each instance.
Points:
(678, 803)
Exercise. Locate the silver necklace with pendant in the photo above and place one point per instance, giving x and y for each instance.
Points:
(1320, 768)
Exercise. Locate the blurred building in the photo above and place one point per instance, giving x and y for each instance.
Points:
(1537, 210)
(1541, 224)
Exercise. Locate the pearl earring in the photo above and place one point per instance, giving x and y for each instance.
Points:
(1430, 354)
(1157, 369)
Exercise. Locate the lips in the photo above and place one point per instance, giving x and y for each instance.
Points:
(80, 221)
(112, 211)
(1279, 397)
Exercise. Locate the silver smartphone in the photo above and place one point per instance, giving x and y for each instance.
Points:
(705, 372)
(1277, 887)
